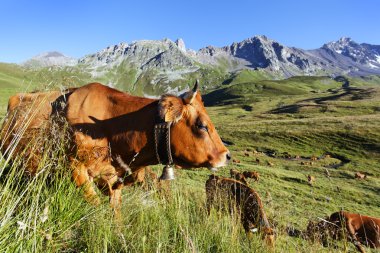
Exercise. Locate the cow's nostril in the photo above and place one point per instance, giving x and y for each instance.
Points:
(228, 156)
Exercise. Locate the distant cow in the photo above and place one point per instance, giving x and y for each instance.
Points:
(310, 180)
(360, 229)
(235, 174)
(244, 199)
(359, 175)
(313, 158)
(252, 174)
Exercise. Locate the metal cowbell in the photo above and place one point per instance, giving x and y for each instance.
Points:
(167, 173)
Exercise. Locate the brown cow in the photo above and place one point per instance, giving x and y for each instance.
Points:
(235, 174)
(359, 175)
(124, 126)
(358, 228)
(246, 201)
(252, 174)
(362, 229)
(310, 180)
(108, 126)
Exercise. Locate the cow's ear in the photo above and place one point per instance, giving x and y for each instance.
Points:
(189, 96)
(170, 108)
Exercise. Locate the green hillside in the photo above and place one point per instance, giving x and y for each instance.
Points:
(273, 127)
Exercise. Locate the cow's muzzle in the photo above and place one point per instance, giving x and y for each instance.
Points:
(222, 163)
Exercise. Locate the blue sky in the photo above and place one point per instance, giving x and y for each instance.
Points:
(80, 27)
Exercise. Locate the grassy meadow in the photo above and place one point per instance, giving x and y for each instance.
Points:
(266, 124)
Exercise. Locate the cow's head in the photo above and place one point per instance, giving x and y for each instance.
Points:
(194, 139)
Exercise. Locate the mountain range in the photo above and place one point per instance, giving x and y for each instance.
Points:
(344, 56)
(166, 65)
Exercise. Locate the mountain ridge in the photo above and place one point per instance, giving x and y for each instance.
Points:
(343, 56)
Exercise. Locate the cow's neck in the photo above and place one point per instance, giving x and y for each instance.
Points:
(136, 146)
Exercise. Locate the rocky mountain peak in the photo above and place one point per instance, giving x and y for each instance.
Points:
(50, 54)
(341, 45)
(363, 54)
(48, 59)
(163, 59)
(181, 45)
(345, 40)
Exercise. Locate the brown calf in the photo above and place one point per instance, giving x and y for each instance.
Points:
(359, 175)
(235, 174)
(246, 201)
(310, 179)
(252, 174)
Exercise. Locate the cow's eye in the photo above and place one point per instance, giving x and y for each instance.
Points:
(202, 126)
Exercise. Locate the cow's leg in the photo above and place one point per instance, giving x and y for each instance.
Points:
(107, 180)
(115, 199)
(114, 187)
(352, 233)
(82, 179)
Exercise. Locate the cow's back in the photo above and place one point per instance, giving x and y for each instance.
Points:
(95, 101)
(27, 120)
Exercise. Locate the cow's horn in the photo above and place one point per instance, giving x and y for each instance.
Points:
(196, 86)
(190, 95)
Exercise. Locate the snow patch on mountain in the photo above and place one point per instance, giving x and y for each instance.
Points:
(377, 58)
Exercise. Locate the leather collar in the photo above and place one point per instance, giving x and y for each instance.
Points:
(162, 142)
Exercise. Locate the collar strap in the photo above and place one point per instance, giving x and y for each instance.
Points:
(162, 143)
